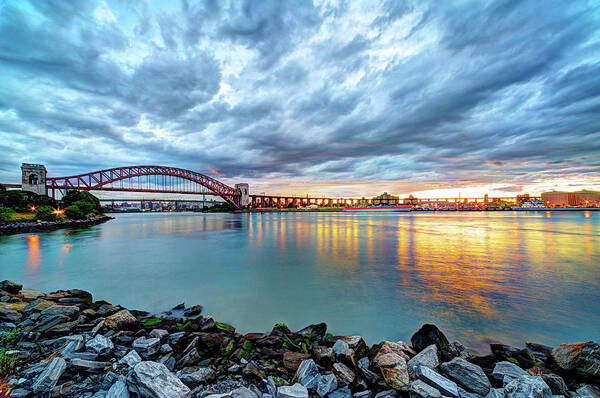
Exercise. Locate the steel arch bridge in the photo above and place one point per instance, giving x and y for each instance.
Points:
(160, 179)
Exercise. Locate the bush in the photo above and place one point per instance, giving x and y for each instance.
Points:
(5, 214)
(20, 201)
(86, 207)
(45, 213)
(73, 197)
(74, 212)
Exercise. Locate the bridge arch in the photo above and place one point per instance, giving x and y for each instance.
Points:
(101, 179)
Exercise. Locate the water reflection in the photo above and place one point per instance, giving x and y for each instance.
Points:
(34, 258)
(503, 276)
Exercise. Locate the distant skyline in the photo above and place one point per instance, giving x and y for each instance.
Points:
(342, 98)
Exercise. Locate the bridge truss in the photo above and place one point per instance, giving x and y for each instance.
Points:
(158, 179)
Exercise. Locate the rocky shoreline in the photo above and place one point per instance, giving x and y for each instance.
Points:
(64, 344)
(40, 226)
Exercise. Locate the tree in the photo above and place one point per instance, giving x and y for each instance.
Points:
(81, 196)
(5, 214)
(45, 213)
(74, 212)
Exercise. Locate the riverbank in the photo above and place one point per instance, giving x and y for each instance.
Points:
(66, 344)
(41, 226)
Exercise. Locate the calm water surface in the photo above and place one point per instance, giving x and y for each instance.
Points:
(509, 277)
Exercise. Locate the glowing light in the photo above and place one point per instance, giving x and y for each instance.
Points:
(59, 212)
(33, 208)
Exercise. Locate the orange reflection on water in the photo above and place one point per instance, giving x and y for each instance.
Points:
(34, 257)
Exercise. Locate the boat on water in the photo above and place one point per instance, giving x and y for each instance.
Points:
(366, 209)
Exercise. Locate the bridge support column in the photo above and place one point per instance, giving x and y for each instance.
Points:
(33, 178)
(245, 196)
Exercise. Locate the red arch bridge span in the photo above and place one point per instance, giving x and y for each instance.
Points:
(159, 179)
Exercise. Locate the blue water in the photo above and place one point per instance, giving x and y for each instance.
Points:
(501, 276)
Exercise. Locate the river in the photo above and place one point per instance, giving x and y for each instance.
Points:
(497, 276)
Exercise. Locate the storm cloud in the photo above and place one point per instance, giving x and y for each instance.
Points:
(346, 97)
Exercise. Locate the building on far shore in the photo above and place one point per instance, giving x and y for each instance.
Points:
(385, 199)
(578, 198)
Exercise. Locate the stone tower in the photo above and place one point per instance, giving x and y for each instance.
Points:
(33, 178)
(245, 198)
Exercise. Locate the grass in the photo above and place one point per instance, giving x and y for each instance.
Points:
(7, 362)
(16, 217)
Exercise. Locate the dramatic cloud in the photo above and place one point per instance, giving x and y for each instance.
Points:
(342, 96)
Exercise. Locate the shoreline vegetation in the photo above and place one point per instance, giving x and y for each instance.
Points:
(66, 344)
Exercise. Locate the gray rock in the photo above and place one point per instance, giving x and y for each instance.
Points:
(369, 375)
(588, 391)
(65, 310)
(419, 389)
(89, 366)
(436, 380)
(581, 359)
(467, 375)
(344, 375)
(131, 359)
(193, 376)
(393, 367)
(527, 387)
(340, 347)
(341, 393)
(159, 333)
(165, 349)
(387, 394)
(118, 390)
(8, 314)
(308, 374)
(100, 345)
(156, 381)
(326, 384)
(20, 393)
(243, 392)
(295, 391)
(428, 357)
(508, 369)
(146, 347)
(49, 377)
(496, 393)
(556, 384)
(363, 394)
(10, 287)
(462, 393)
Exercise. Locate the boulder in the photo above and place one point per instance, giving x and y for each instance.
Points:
(295, 391)
(253, 371)
(363, 394)
(340, 347)
(194, 376)
(399, 348)
(131, 359)
(159, 334)
(314, 331)
(580, 359)
(428, 335)
(556, 384)
(326, 385)
(364, 367)
(588, 391)
(427, 357)
(343, 392)
(47, 380)
(9, 315)
(345, 376)
(308, 374)
(154, 380)
(387, 394)
(118, 390)
(68, 311)
(193, 311)
(393, 369)
(507, 370)
(100, 345)
(527, 386)
(89, 366)
(436, 380)
(467, 375)
(146, 347)
(323, 355)
(10, 287)
(122, 320)
(419, 389)
(292, 360)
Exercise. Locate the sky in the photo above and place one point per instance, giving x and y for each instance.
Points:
(342, 98)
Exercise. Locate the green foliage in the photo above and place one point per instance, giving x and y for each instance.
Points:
(87, 202)
(7, 362)
(152, 321)
(74, 213)
(45, 213)
(2, 189)
(182, 327)
(513, 360)
(225, 327)
(281, 327)
(5, 214)
(20, 201)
